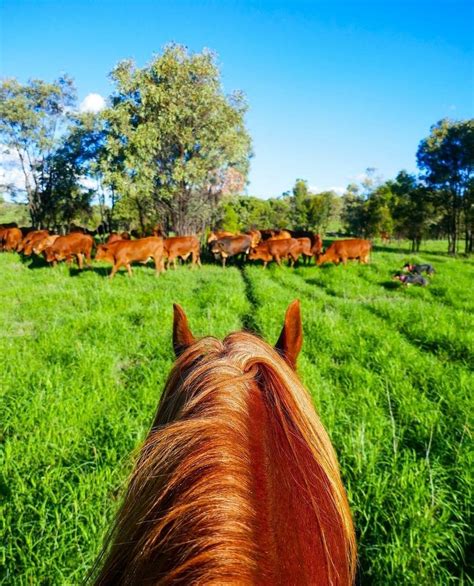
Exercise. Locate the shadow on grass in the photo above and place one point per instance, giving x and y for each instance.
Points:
(101, 271)
(34, 262)
(390, 285)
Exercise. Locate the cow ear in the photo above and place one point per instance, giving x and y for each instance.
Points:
(182, 336)
(291, 337)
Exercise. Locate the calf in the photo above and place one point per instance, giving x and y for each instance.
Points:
(412, 279)
(182, 247)
(228, 247)
(67, 247)
(344, 250)
(124, 252)
(419, 269)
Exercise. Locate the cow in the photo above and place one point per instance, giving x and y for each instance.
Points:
(277, 249)
(10, 239)
(182, 247)
(30, 243)
(344, 250)
(67, 247)
(317, 246)
(418, 269)
(228, 247)
(115, 237)
(300, 246)
(32, 235)
(256, 237)
(385, 237)
(124, 252)
(218, 234)
(41, 244)
(412, 279)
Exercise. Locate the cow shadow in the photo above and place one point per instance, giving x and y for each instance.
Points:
(34, 262)
(101, 271)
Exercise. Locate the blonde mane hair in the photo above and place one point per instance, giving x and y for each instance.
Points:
(237, 482)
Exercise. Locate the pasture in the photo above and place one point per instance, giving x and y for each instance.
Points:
(390, 370)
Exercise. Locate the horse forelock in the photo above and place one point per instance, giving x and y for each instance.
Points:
(234, 433)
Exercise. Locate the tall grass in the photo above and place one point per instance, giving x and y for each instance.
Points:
(83, 361)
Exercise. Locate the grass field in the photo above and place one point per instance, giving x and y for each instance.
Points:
(390, 370)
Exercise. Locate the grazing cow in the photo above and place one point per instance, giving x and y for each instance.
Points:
(124, 252)
(67, 247)
(30, 243)
(344, 250)
(182, 247)
(10, 239)
(317, 246)
(277, 249)
(228, 247)
(40, 245)
(30, 236)
(301, 246)
(418, 269)
(385, 237)
(412, 279)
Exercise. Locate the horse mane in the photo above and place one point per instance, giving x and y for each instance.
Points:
(237, 481)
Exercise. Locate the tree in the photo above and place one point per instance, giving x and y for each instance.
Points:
(412, 208)
(446, 158)
(177, 135)
(32, 120)
(322, 209)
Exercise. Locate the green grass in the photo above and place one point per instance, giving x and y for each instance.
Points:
(390, 370)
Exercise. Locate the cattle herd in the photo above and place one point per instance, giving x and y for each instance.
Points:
(121, 250)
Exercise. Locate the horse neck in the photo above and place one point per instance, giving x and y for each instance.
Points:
(227, 490)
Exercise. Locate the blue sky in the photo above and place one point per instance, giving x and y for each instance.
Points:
(333, 87)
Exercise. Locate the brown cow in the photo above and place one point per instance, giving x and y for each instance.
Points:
(67, 247)
(182, 247)
(41, 244)
(228, 247)
(277, 249)
(301, 246)
(10, 239)
(29, 243)
(344, 250)
(217, 235)
(114, 237)
(123, 253)
(33, 234)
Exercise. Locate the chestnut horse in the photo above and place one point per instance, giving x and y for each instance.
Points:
(237, 482)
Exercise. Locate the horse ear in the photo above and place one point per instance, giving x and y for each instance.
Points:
(182, 336)
(291, 337)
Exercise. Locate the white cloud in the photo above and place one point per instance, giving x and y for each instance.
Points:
(318, 189)
(92, 103)
(11, 174)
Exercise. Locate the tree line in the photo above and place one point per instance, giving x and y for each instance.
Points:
(172, 148)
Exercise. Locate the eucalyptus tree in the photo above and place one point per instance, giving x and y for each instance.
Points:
(446, 158)
(176, 136)
(33, 118)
